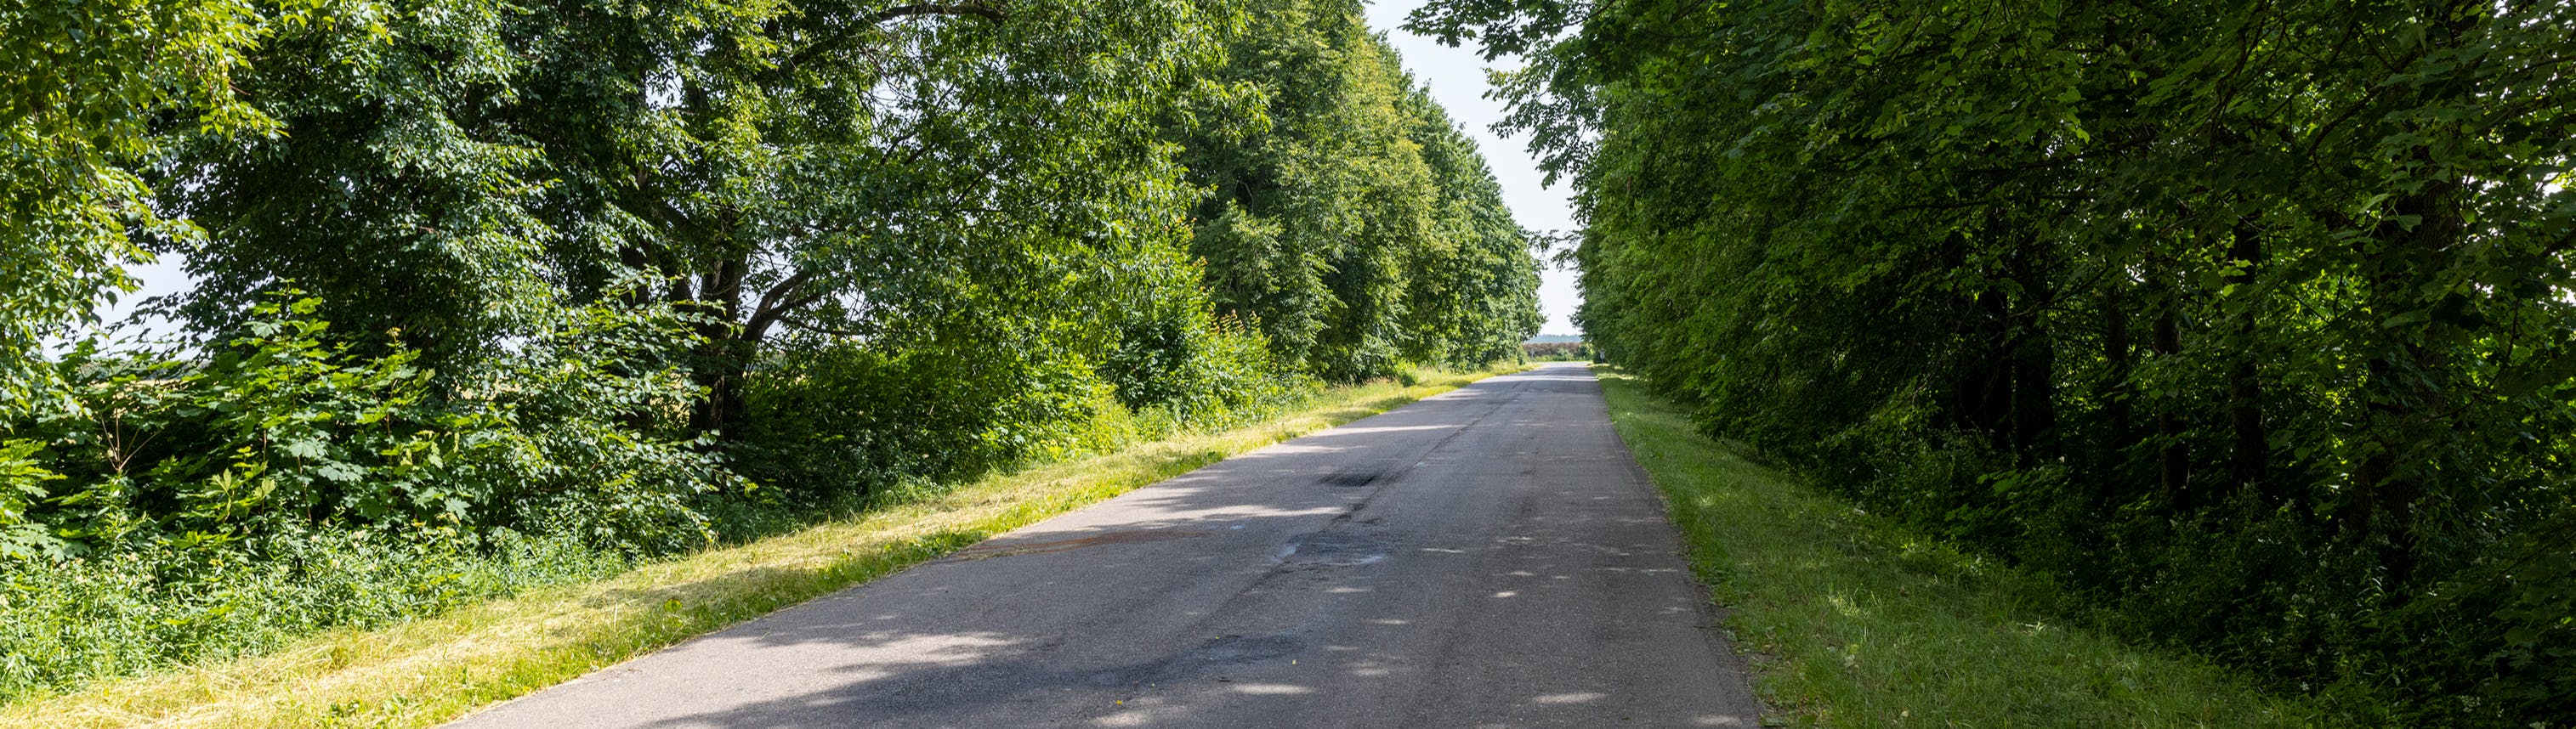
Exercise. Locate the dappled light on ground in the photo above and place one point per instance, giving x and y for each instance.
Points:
(1441, 564)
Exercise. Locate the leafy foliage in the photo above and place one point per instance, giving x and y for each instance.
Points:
(86, 82)
(2249, 319)
(1358, 229)
(176, 507)
(281, 430)
(483, 287)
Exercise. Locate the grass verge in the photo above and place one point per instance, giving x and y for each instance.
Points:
(428, 671)
(1854, 622)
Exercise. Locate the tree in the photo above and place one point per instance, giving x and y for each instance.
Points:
(1472, 296)
(2196, 304)
(1357, 229)
(869, 170)
(78, 116)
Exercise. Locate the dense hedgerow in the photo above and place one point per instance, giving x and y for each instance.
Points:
(280, 428)
(175, 507)
(2250, 324)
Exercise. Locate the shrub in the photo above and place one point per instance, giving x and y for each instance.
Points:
(172, 506)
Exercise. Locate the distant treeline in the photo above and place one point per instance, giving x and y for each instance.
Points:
(1557, 350)
(2253, 325)
(497, 293)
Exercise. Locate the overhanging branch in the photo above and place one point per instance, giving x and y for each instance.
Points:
(988, 11)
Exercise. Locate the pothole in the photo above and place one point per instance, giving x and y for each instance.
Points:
(1332, 549)
(1350, 480)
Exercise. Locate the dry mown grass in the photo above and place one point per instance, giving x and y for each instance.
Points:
(428, 671)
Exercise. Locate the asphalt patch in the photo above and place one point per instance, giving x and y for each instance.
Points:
(1332, 549)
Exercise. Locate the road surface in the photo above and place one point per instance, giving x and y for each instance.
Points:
(1486, 557)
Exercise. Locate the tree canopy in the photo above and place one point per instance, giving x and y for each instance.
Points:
(87, 82)
(2249, 320)
(1358, 229)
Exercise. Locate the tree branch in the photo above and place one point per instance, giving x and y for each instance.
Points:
(777, 301)
(977, 9)
(988, 11)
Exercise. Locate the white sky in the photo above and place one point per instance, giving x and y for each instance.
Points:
(1457, 80)
(164, 276)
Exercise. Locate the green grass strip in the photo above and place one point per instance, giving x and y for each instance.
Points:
(1851, 621)
(429, 671)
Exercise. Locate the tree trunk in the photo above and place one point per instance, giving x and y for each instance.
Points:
(2408, 377)
(2173, 457)
(1985, 386)
(727, 352)
(2117, 409)
(2250, 464)
(2034, 371)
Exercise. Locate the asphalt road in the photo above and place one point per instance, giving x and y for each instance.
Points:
(1487, 557)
